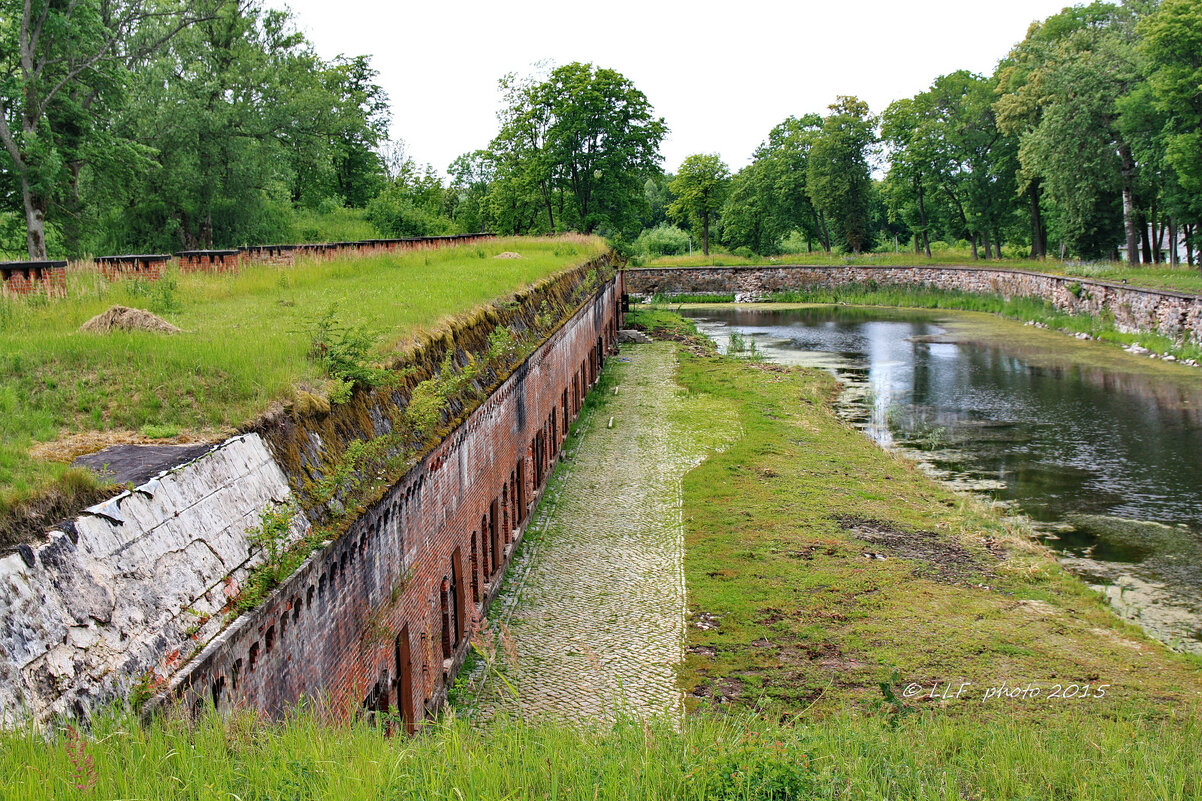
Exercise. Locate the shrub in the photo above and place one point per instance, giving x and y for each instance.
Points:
(343, 352)
(662, 240)
(794, 242)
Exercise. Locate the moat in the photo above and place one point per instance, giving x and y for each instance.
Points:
(1101, 450)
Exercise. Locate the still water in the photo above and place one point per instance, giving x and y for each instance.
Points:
(1100, 450)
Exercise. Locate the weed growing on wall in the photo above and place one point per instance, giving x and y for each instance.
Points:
(344, 352)
(280, 558)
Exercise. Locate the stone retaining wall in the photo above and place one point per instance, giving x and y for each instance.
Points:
(1174, 314)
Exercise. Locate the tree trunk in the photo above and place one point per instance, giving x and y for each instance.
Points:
(705, 235)
(1128, 173)
(1174, 261)
(917, 243)
(922, 218)
(973, 239)
(1146, 240)
(823, 234)
(988, 247)
(35, 221)
(997, 242)
(1039, 237)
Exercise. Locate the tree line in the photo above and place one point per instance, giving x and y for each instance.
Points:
(156, 124)
(133, 125)
(1087, 138)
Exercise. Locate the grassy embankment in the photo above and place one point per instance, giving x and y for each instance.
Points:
(245, 344)
(1022, 309)
(1159, 276)
(819, 565)
(806, 626)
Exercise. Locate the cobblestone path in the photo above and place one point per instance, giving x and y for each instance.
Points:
(593, 608)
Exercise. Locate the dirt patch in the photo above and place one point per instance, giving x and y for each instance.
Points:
(123, 318)
(936, 556)
(72, 446)
(509, 254)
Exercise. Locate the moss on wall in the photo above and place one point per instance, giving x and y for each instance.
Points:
(341, 459)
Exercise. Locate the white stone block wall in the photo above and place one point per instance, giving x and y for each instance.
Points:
(134, 586)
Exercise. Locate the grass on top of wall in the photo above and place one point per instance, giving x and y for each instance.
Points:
(1159, 276)
(245, 344)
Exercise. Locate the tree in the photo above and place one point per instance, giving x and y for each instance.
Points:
(699, 189)
(1172, 48)
(838, 176)
(1061, 92)
(578, 145)
(58, 63)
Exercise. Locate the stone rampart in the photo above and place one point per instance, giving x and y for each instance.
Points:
(1134, 309)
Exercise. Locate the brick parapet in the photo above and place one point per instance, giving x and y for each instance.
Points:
(26, 277)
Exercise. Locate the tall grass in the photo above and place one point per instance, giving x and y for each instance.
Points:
(710, 756)
(244, 343)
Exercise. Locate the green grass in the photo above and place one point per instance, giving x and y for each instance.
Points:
(245, 343)
(709, 756)
(803, 616)
(919, 297)
(1161, 276)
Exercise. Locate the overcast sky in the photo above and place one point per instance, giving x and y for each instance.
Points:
(720, 73)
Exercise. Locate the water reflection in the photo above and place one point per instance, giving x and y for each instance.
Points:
(1107, 461)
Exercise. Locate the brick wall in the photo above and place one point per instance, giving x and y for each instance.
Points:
(25, 277)
(1134, 309)
(380, 619)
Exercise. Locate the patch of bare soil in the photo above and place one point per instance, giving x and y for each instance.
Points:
(123, 318)
(937, 556)
(72, 446)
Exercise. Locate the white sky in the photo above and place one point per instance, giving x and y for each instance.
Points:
(720, 73)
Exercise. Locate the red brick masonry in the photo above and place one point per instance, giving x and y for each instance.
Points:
(380, 619)
(24, 277)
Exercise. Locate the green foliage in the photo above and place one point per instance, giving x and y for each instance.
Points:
(344, 352)
(837, 174)
(331, 222)
(412, 204)
(156, 431)
(582, 141)
(768, 198)
(245, 345)
(1172, 46)
(280, 557)
(698, 191)
(662, 240)
(732, 757)
(160, 295)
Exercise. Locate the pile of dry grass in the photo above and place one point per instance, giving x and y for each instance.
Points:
(509, 254)
(123, 318)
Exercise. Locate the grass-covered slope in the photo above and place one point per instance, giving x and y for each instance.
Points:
(820, 566)
(245, 344)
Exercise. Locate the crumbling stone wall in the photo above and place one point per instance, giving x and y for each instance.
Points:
(1174, 314)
